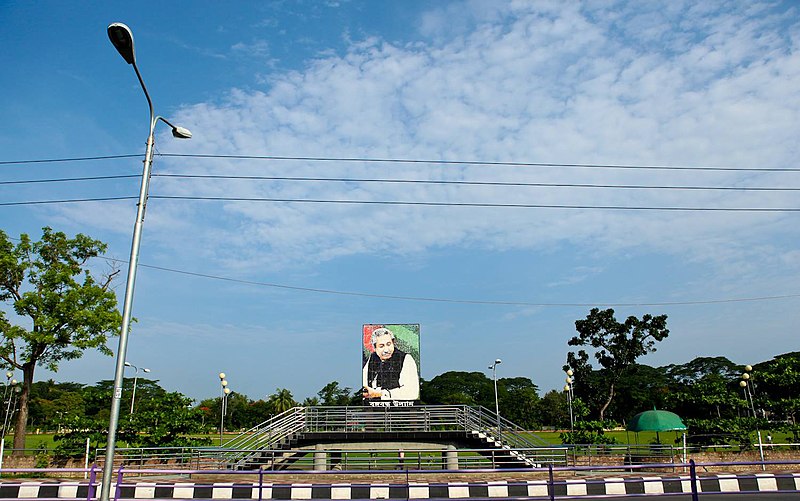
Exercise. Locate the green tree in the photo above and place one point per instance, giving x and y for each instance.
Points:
(281, 401)
(777, 384)
(332, 394)
(705, 388)
(640, 388)
(258, 412)
(698, 368)
(310, 402)
(47, 282)
(518, 398)
(459, 388)
(160, 419)
(617, 345)
(167, 420)
(553, 409)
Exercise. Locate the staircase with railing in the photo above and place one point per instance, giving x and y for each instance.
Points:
(365, 424)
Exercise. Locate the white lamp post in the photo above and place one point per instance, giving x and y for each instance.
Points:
(496, 401)
(746, 385)
(135, 380)
(568, 389)
(10, 392)
(223, 404)
(122, 39)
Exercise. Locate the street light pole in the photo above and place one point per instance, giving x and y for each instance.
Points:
(122, 39)
(568, 389)
(10, 391)
(496, 401)
(135, 379)
(746, 384)
(225, 391)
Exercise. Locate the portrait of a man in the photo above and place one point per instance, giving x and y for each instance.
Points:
(390, 372)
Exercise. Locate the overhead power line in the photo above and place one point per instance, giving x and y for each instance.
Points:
(413, 203)
(456, 301)
(66, 201)
(477, 204)
(480, 162)
(68, 159)
(408, 181)
(412, 161)
(70, 179)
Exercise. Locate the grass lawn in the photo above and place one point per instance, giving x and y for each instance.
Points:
(45, 440)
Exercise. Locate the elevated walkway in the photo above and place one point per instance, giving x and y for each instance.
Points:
(333, 432)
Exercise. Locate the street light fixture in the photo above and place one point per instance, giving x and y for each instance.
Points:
(122, 39)
(135, 379)
(568, 389)
(10, 394)
(747, 385)
(496, 401)
(223, 404)
(10, 391)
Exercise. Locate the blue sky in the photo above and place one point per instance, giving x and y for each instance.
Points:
(711, 84)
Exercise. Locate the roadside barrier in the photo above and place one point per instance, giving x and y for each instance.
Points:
(545, 483)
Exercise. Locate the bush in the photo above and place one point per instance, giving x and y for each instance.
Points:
(42, 459)
(588, 432)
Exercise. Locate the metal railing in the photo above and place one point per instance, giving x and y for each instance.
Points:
(543, 483)
(267, 435)
(278, 431)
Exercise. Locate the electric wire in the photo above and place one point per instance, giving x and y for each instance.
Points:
(445, 300)
(410, 161)
(66, 201)
(413, 203)
(451, 300)
(70, 179)
(67, 159)
(480, 162)
(476, 204)
(406, 181)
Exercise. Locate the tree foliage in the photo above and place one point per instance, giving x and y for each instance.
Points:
(160, 419)
(333, 394)
(616, 345)
(66, 310)
(459, 388)
(281, 401)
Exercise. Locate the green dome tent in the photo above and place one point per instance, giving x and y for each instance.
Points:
(656, 420)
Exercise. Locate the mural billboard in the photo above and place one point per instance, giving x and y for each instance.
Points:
(390, 364)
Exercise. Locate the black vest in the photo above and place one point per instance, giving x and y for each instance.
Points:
(387, 372)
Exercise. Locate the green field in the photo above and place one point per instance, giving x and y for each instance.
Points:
(45, 440)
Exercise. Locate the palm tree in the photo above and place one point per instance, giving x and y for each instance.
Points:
(281, 400)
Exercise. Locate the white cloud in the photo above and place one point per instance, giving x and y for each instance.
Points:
(522, 81)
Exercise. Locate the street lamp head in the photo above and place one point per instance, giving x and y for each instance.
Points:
(748, 368)
(181, 132)
(498, 361)
(224, 383)
(9, 375)
(128, 364)
(222, 375)
(569, 380)
(566, 387)
(122, 38)
(745, 376)
(569, 372)
(743, 384)
(227, 391)
(145, 370)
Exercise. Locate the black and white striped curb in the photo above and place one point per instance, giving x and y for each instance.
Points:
(535, 489)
